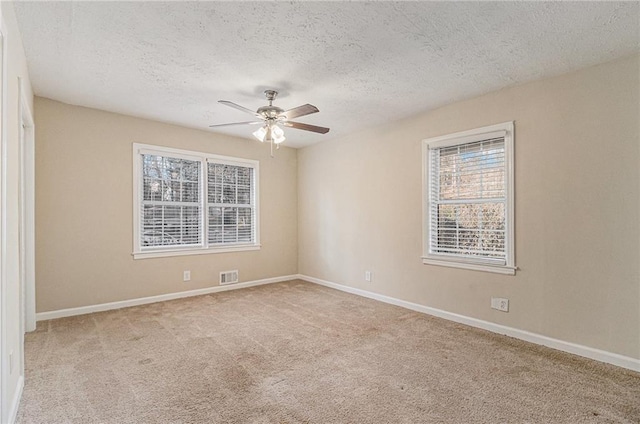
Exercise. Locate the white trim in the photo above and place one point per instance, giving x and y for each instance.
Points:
(510, 241)
(191, 154)
(136, 187)
(15, 402)
(506, 130)
(61, 313)
(203, 158)
(26, 133)
(256, 204)
(4, 366)
(199, 251)
(470, 136)
(455, 263)
(576, 349)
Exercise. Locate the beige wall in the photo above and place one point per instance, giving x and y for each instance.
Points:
(577, 157)
(12, 341)
(84, 210)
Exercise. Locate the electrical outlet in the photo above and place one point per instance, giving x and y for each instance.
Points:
(367, 276)
(500, 303)
(186, 276)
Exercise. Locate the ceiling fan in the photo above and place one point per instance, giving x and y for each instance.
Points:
(271, 116)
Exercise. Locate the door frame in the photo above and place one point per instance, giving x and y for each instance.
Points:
(4, 365)
(26, 216)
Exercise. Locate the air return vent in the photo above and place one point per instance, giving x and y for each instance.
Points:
(229, 277)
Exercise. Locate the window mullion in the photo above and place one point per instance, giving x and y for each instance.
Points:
(204, 202)
(434, 194)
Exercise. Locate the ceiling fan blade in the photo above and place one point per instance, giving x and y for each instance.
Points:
(237, 106)
(306, 127)
(237, 123)
(299, 111)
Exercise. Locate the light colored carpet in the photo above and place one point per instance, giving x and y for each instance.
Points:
(296, 352)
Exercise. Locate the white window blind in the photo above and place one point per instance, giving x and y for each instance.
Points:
(468, 200)
(231, 203)
(468, 193)
(171, 201)
(190, 203)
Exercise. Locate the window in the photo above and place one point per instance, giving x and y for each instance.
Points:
(191, 203)
(468, 199)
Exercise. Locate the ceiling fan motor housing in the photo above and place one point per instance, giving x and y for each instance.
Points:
(270, 112)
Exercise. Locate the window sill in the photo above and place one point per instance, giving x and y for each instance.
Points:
(498, 269)
(186, 252)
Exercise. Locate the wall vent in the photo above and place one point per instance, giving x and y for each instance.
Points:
(229, 277)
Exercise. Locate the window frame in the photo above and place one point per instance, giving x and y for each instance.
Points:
(140, 252)
(505, 129)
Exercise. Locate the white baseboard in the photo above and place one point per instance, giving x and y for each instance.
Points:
(61, 313)
(15, 402)
(576, 349)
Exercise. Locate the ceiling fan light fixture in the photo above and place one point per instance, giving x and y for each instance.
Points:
(260, 133)
(278, 134)
(270, 133)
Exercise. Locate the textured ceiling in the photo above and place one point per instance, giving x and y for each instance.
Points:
(362, 64)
